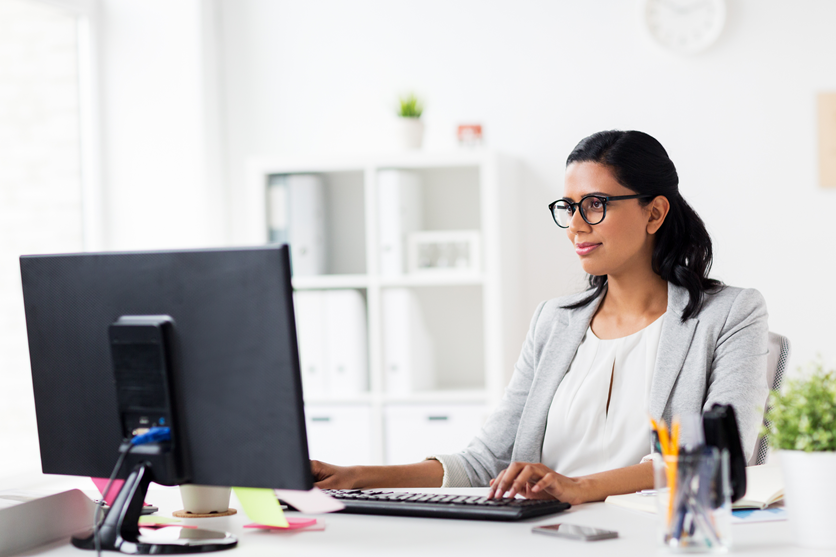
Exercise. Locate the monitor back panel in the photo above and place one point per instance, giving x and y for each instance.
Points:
(237, 379)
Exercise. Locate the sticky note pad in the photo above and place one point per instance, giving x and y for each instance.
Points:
(261, 506)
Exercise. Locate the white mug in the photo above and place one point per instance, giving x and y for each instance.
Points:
(205, 499)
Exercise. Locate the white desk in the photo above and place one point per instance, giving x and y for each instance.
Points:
(370, 536)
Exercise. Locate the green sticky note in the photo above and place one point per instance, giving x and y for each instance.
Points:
(154, 519)
(261, 506)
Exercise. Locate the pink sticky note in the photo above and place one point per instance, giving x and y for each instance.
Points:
(115, 488)
(101, 484)
(293, 524)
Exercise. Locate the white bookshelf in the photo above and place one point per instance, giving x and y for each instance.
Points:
(473, 316)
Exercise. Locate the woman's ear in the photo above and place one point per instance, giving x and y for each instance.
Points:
(658, 211)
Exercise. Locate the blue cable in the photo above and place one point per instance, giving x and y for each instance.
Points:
(153, 435)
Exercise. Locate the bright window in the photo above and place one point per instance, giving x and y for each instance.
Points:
(40, 190)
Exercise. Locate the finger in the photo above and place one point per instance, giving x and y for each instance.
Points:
(508, 477)
(528, 477)
(495, 485)
(316, 468)
(319, 470)
(527, 473)
(328, 482)
(499, 482)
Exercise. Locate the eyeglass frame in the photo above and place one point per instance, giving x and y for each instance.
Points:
(605, 198)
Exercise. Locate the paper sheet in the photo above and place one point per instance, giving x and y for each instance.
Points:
(313, 501)
(261, 506)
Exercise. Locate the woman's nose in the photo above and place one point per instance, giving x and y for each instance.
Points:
(577, 223)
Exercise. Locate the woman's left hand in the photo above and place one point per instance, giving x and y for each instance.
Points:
(536, 481)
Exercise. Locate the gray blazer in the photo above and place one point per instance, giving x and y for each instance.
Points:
(719, 356)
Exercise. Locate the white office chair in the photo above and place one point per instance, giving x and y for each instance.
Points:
(776, 363)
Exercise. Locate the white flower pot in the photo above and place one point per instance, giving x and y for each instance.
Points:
(205, 499)
(410, 132)
(809, 493)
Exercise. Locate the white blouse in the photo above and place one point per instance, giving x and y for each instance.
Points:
(582, 435)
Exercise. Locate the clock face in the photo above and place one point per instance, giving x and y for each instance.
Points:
(685, 25)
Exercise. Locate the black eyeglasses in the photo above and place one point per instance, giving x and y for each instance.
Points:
(593, 208)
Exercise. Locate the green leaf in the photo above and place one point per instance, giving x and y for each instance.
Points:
(410, 107)
(801, 415)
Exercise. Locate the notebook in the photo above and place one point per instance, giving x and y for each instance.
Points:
(764, 486)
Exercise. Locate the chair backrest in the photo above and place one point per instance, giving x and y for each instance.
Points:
(776, 364)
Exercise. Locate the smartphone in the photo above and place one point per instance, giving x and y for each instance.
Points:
(575, 532)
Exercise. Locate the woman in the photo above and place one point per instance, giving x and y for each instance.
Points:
(653, 336)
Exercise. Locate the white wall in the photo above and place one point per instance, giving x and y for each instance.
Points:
(738, 120)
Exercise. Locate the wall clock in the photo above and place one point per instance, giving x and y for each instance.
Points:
(686, 26)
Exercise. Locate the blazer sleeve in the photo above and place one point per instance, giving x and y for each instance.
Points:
(490, 451)
(738, 370)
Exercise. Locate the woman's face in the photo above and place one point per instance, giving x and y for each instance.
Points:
(623, 241)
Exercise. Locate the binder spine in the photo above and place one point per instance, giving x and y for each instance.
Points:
(407, 345)
(399, 213)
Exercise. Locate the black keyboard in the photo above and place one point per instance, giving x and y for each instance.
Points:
(434, 505)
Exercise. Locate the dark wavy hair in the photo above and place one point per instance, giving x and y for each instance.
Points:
(682, 251)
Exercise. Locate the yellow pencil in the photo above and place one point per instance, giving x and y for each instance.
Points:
(671, 469)
(669, 443)
(675, 437)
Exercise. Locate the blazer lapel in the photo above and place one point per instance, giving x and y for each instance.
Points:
(674, 343)
(569, 332)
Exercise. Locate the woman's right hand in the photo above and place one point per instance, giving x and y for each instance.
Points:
(329, 476)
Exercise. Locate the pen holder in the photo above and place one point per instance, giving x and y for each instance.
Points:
(694, 501)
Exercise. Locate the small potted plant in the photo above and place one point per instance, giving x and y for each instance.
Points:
(802, 426)
(411, 128)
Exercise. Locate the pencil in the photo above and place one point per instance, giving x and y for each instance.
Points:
(672, 468)
(670, 463)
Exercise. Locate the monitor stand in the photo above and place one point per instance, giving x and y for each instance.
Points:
(120, 529)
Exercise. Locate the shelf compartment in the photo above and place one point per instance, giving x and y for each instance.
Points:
(344, 221)
(450, 198)
(452, 317)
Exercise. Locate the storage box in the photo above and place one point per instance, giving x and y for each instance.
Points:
(339, 433)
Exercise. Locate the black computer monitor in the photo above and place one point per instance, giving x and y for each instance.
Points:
(232, 365)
